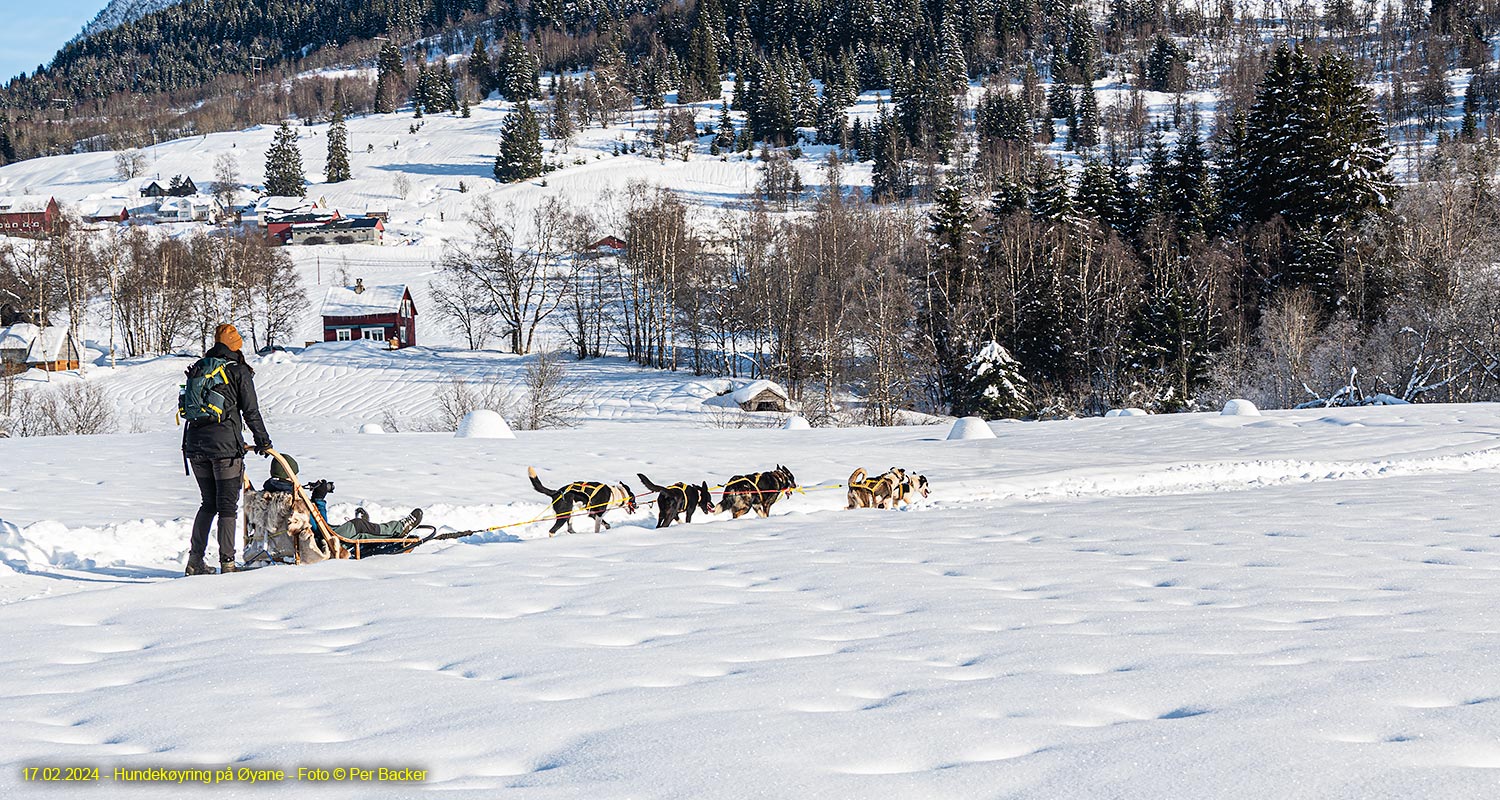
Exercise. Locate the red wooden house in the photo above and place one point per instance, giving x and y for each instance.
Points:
(29, 215)
(374, 313)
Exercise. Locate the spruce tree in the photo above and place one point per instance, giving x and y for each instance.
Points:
(338, 149)
(891, 178)
(724, 133)
(520, 156)
(1192, 193)
(517, 73)
(993, 387)
(1096, 192)
(1051, 201)
(1087, 137)
(952, 264)
(479, 68)
(390, 80)
(7, 147)
(284, 165)
(1313, 151)
(1470, 128)
(701, 73)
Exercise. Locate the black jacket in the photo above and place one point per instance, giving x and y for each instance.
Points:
(224, 439)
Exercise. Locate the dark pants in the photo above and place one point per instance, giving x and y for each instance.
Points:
(219, 482)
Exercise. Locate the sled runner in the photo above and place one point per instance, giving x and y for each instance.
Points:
(288, 528)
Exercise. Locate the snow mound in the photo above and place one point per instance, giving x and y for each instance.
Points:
(482, 423)
(1239, 408)
(796, 423)
(970, 428)
(373, 427)
(1126, 412)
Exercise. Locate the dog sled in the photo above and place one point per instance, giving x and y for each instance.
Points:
(288, 528)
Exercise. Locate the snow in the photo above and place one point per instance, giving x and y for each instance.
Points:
(796, 423)
(482, 423)
(1240, 408)
(1125, 412)
(345, 301)
(372, 428)
(19, 336)
(1299, 604)
(970, 428)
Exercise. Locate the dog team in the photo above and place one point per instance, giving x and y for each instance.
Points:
(742, 494)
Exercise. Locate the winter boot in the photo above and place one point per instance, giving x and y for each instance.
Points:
(195, 566)
(226, 567)
(411, 521)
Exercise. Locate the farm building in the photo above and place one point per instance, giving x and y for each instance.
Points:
(378, 209)
(33, 215)
(762, 396)
(25, 346)
(279, 209)
(374, 313)
(349, 230)
(107, 211)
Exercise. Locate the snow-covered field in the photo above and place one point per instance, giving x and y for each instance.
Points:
(1195, 606)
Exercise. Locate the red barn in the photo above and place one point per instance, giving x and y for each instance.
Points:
(29, 215)
(374, 313)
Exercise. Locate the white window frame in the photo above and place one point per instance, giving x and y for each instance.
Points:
(344, 335)
(379, 334)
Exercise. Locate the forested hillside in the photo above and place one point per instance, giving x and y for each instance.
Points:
(1073, 207)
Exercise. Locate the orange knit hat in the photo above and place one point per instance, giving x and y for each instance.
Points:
(229, 336)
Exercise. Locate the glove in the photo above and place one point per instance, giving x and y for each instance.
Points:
(263, 449)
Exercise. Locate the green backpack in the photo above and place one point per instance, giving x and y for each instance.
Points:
(205, 396)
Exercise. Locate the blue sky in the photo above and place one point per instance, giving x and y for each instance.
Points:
(35, 29)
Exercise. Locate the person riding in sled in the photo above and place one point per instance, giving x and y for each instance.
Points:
(216, 403)
(360, 527)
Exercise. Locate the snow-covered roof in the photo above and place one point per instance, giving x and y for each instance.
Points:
(106, 208)
(50, 345)
(274, 204)
(377, 207)
(18, 336)
(343, 301)
(751, 390)
(25, 204)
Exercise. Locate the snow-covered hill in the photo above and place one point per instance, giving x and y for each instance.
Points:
(1191, 606)
(119, 12)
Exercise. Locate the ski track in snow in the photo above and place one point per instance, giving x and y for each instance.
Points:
(1299, 605)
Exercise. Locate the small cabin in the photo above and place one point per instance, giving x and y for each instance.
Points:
(25, 346)
(370, 313)
(54, 351)
(609, 245)
(762, 396)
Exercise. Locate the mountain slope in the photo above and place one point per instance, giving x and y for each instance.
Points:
(119, 12)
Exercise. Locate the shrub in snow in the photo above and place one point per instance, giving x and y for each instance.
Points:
(796, 423)
(1240, 408)
(970, 428)
(482, 423)
(371, 427)
(993, 386)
